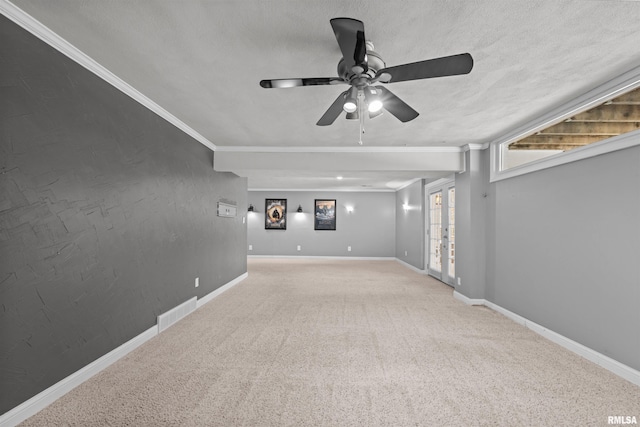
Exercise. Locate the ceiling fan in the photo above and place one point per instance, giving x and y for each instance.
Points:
(363, 69)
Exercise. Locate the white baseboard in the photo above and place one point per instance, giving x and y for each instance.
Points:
(346, 258)
(600, 359)
(43, 399)
(62, 387)
(205, 299)
(469, 301)
(414, 268)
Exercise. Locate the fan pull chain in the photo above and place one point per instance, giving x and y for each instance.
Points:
(361, 117)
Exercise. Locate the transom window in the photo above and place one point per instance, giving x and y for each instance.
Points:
(611, 118)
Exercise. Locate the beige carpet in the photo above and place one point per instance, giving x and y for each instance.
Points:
(345, 343)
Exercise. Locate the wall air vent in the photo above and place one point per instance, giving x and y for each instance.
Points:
(172, 316)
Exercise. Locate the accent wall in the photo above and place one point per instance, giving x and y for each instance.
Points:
(107, 216)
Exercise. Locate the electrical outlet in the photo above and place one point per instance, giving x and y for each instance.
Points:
(250, 247)
(406, 253)
(299, 248)
(459, 281)
(348, 248)
(197, 282)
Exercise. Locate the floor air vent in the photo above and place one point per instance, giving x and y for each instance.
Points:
(172, 316)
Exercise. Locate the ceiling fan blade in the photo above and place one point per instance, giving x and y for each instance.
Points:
(333, 112)
(314, 81)
(438, 67)
(396, 106)
(350, 35)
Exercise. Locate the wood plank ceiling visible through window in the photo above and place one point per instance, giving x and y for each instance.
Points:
(614, 117)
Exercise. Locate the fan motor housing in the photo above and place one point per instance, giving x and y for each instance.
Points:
(374, 64)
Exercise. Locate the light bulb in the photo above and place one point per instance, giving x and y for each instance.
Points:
(373, 99)
(351, 100)
(350, 106)
(375, 106)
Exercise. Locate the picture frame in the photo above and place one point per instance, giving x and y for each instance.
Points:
(324, 214)
(275, 214)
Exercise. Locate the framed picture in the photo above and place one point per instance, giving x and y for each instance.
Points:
(325, 214)
(275, 214)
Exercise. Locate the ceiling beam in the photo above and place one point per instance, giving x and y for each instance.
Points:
(232, 161)
(591, 128)
(555, 142)
(551, 147)
(609, 113)
(630, 98)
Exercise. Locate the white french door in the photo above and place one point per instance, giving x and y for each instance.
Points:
(440, 232)
(435, 235)
(451, 236)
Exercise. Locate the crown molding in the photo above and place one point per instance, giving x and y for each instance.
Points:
(35, 27)
(408, 183)
(471, 147)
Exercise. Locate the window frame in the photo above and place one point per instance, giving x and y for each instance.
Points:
(611, 89)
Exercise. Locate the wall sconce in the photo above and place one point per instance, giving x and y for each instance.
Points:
(250, 208)
(299, 209)
(405, 206)
(349, 209)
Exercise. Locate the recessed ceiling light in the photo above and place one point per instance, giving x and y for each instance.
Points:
(338, 177)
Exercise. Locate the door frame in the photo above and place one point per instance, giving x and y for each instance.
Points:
(441, 185)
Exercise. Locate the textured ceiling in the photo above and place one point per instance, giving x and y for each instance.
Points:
(202, 61)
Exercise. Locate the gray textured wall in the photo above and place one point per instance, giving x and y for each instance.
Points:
(472, 224)
(369, 230)
(410, 225)
(107, 215)
(566, 248)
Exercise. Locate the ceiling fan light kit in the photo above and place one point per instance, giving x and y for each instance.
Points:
(374, 104)
(352, 116)
(351, 100)
(363, 68)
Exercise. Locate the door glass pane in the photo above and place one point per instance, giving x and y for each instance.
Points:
(435, 231)
(452, 232)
